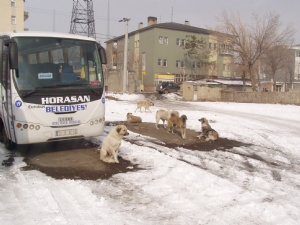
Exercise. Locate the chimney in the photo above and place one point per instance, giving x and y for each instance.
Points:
(187, 22)
(140, 26)
(152, 20)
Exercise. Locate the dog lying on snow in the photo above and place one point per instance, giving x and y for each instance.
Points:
(133, 119)
(180, 122)
(207, 134)
(163, 115)
(144, 103)
(111, 144)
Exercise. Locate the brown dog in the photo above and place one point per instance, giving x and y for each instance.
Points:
(144, 103)
(180, 122)
(163, 115)
(207, 134)
(133, 119)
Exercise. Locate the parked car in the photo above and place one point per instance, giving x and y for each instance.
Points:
(167, 87)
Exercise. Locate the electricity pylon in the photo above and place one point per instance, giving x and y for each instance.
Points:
(82, 21)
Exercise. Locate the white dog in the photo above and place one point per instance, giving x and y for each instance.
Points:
(163, 115)
(111, 144)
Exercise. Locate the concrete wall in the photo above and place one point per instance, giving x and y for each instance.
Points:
(113, 81)
(192, 92)
(290, 97)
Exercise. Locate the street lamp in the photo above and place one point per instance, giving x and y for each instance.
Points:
(125, 75)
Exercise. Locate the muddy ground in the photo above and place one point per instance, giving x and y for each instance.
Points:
(79, 159)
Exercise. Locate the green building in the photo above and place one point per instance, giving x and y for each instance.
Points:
(156, 54)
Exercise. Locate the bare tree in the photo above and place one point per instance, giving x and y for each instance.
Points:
(250, 42)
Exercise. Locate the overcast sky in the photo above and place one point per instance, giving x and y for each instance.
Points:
(55, 15)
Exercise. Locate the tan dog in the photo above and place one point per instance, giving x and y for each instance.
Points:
(163, 115)
(180, 122)
(207, 134)
(133, 119)
(111, 144)
(144, 103)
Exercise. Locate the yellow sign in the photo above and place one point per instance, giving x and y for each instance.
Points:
(165, 76)
(143, 73)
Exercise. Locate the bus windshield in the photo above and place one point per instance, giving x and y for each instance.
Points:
(45, 63)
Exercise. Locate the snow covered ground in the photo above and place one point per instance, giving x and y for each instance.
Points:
(257, 184)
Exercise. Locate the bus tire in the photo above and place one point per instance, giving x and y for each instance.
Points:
(9, 145)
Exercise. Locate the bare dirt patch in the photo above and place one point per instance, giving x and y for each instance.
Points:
(79, 159)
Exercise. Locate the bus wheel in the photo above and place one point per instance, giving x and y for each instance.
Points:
(9, 145)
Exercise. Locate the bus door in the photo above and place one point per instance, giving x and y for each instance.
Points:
(7, 131)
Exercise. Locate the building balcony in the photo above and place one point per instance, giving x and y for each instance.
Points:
(225, 52)
(26, 15)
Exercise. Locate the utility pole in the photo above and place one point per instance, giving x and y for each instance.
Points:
(125, 75)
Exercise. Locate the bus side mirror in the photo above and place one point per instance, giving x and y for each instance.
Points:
(102, 54)
(13, 55)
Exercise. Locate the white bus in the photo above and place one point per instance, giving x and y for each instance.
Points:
(52, 87)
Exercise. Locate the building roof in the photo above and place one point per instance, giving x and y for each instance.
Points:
(169, 26)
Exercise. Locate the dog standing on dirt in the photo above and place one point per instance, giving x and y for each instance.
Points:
(163, 115)
(180, 122)
(133, 119)
(207, 134)
(144, 103)
(111, 144)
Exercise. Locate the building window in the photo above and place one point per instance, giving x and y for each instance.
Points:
(166, 40)
(182, 64)
(13, 20)
(183, 42)
(180, 42)
(163, 40)
(225, 67)
(196, 65)
(13, 3)
(298, 54)
(165, 62)
(159, 62)
(160, 40)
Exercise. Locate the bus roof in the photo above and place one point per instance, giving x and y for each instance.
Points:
(47, 34)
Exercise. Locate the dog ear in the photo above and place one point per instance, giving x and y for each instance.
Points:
(118, 129)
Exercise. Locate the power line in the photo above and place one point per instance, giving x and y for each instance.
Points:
(61, 13)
